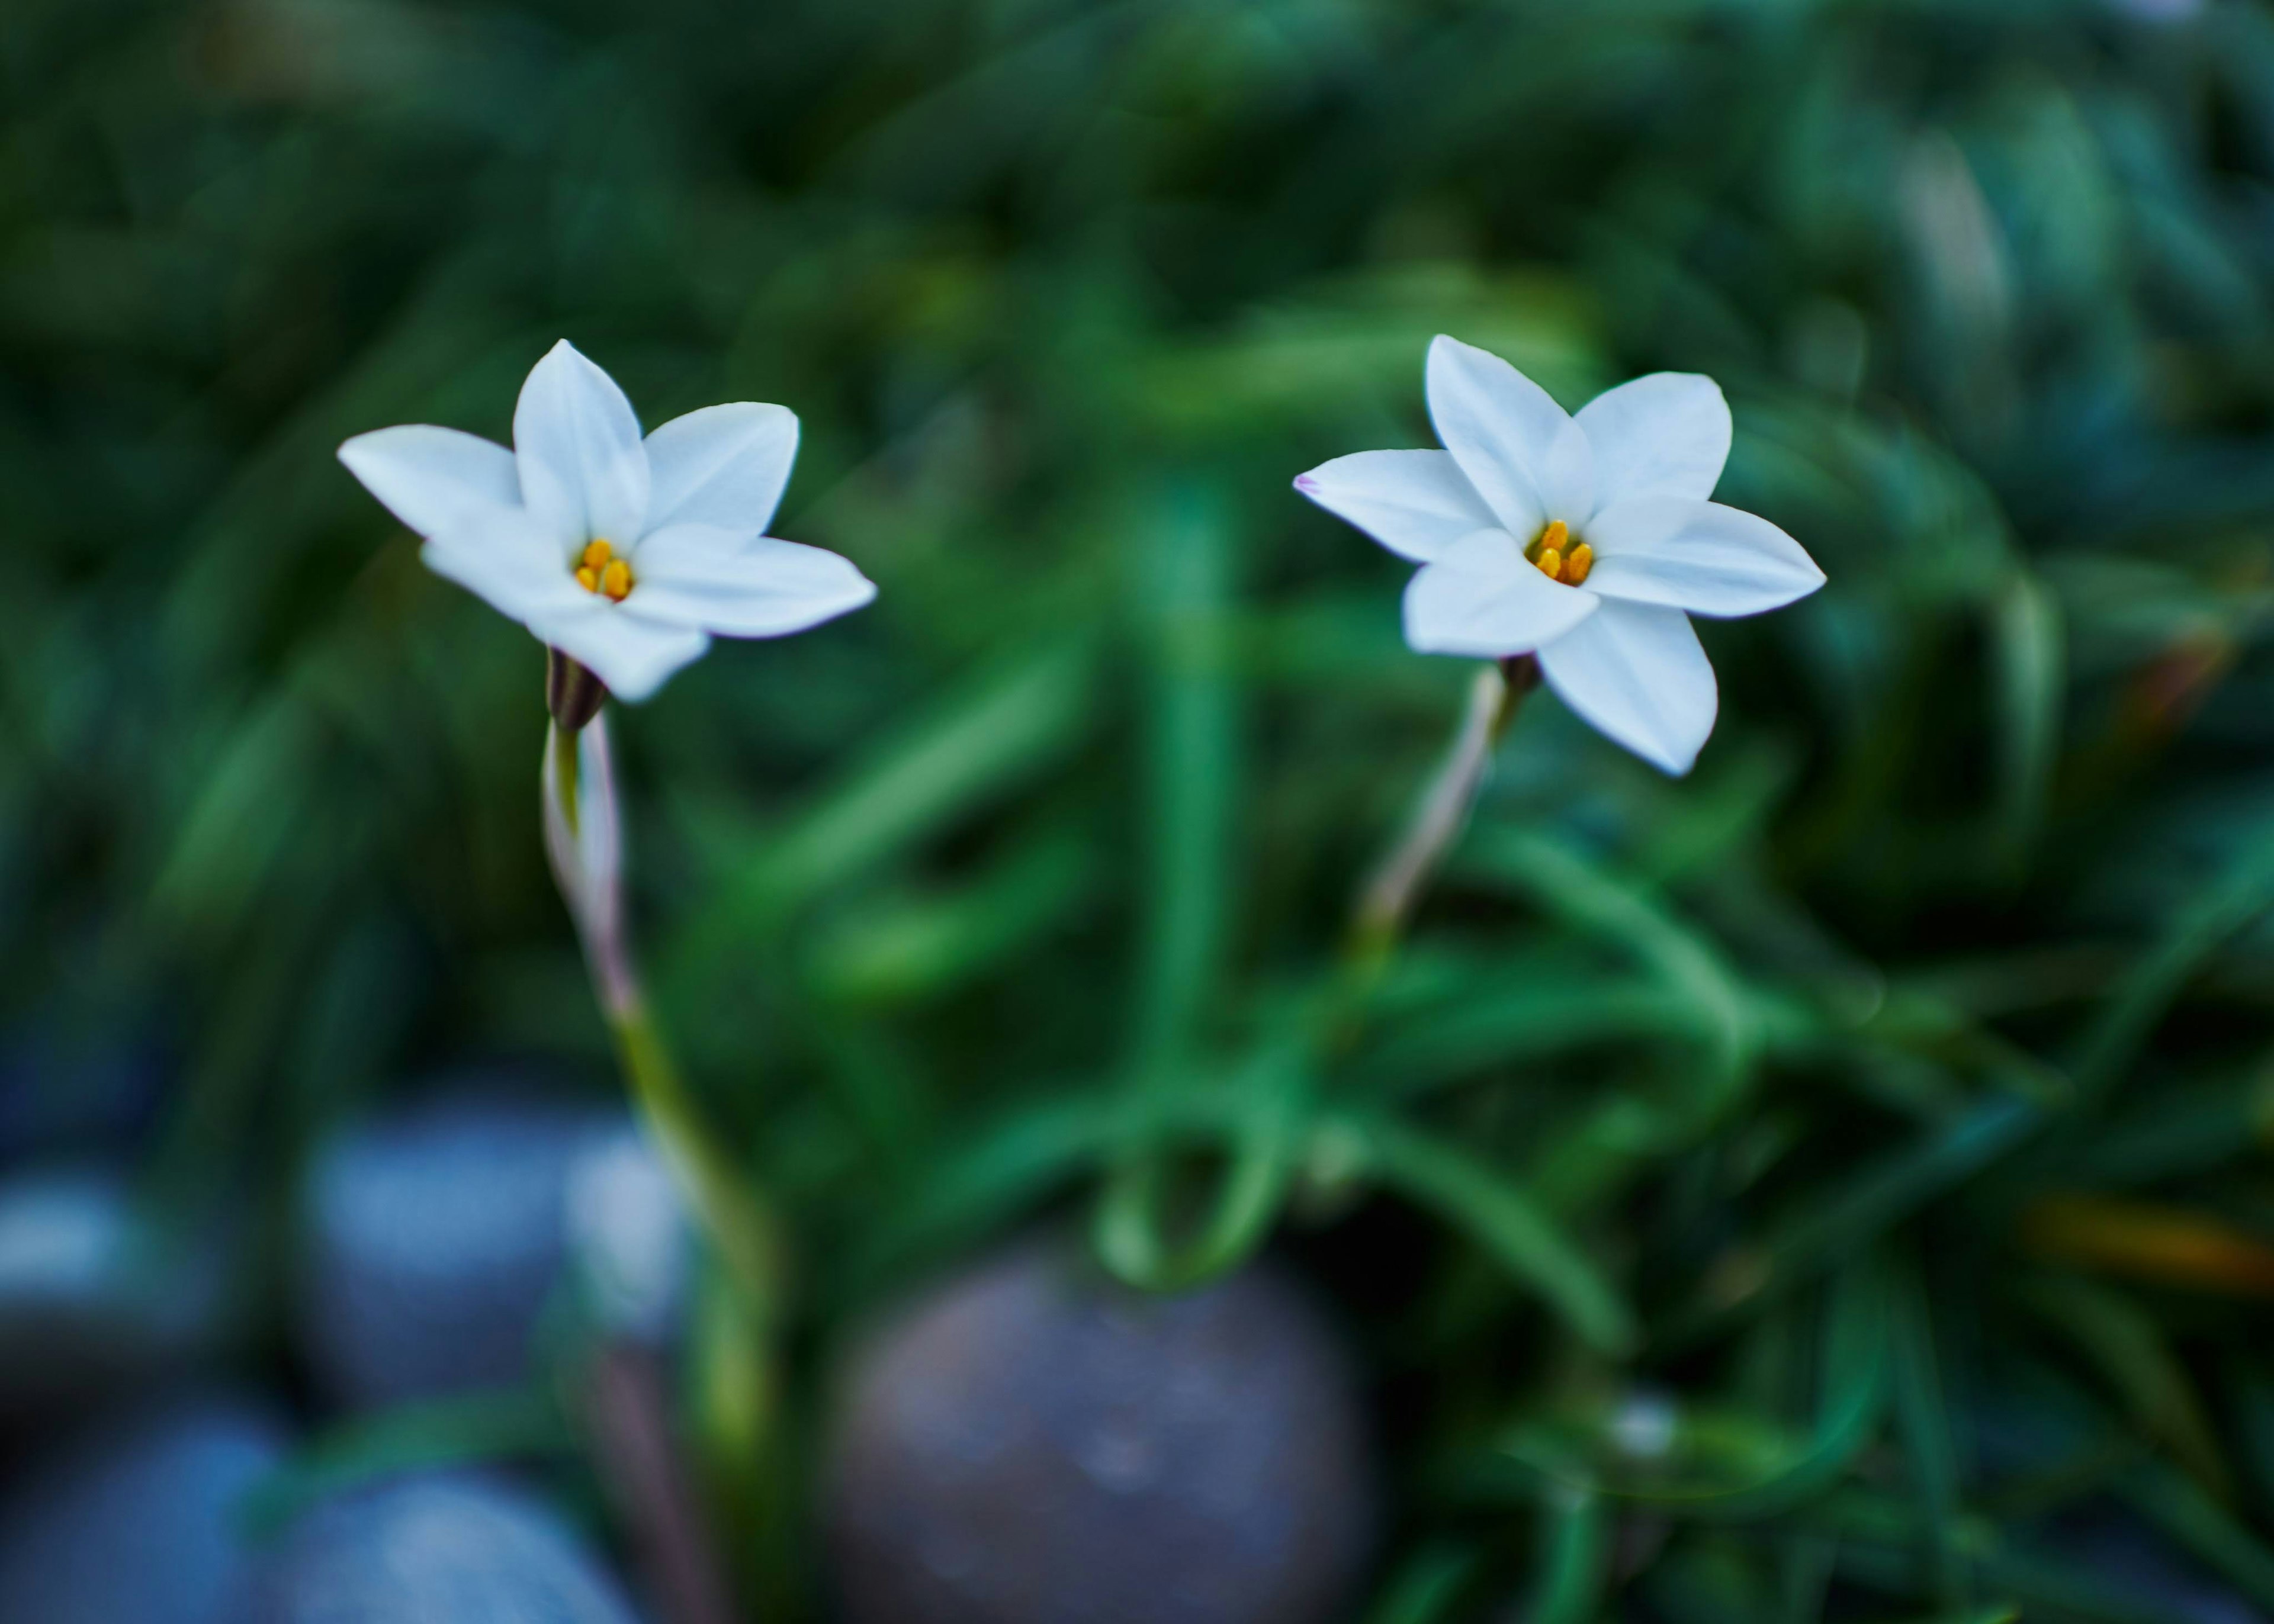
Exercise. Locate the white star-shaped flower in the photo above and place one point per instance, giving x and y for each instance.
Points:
(628, 554)
(1586, 540)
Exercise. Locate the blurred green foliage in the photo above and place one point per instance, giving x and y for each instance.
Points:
(1802, 1180)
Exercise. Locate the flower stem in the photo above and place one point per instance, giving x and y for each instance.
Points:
(1395, 889)
(583, 841)
(628, 1406)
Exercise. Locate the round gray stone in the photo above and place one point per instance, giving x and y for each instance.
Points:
(93, 1295)
(140, 1522)
(443, 1549)
(1031, 1443)
(437, 1239)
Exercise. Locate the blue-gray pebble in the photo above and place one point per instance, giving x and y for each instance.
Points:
(443, 1549)
(140, 1522)
(93, 1297)
(1031, 1445)
(435, 1239)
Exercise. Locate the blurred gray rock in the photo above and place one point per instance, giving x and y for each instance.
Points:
(437, 1239)
(1032, 1443)
(448, 1549)
(94, 1294)
(139, 1522)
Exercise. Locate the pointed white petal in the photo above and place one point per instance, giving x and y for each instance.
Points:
(432, 478)
(1521, 451)
(1635, 671)
(1482, 597)
(1415, 503)
(634, 655)
(724, 465)
(1664, 435)
(1698, 556)
(577, 442)
(509, 560)
(739, 585)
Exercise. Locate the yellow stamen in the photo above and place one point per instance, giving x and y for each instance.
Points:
(599, 570)
(1577, 563)
(1547, 549)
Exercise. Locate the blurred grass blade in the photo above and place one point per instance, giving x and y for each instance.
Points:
(423, 1436)
(2139, 1000)
(1865, 1205)
(2032, 674)
(1498, 1215)
(1855, 1361)
(2161, 1244)
(1583, 896)
(1266, 1099)
(1925, 1420)
(1574, 1558)
(1191, 776)
(2186, 1511)
(998, 728)
(2130, 1352)
(1425, 1586)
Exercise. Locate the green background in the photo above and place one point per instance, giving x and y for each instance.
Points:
(1894, 1084)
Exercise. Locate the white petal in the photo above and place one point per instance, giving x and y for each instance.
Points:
(724, 465)
(1636, 672)
(742, 586)
(576, 440)
(1664, 435)
(432, 478)
(634, 655)
(1698, 556)
(510, 561)
(1416, 503)
(1483, 598)
(1521, 451)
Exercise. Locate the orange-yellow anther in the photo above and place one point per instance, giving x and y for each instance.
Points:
(1577, 563)
(1547, 549)
(599, 570)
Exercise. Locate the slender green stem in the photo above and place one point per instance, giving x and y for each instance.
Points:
(732, 1214)
(1388, 901)
(581, 839)
(1129, 1216)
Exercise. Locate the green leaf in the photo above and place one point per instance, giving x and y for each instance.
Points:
(1491, 1208)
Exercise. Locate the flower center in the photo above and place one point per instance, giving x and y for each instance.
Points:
(1558, 556)
(599, 570)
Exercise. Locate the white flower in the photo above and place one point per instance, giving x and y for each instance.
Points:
(626, 554)
(1586, 540)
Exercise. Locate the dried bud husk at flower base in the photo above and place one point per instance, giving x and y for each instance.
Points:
(138, 1522)
(438, 1549)
(572, 692)
(1032, 1442)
